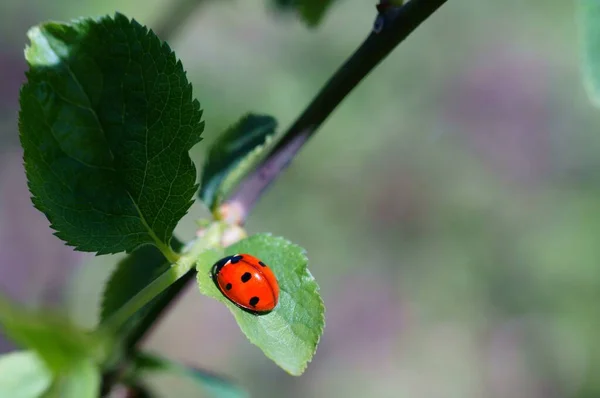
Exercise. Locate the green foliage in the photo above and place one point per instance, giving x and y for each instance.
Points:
(81, 381)
(589, 15)
(54, 338)
(233, 154)
(23, 375)
(158, 292)
(59, 351)
(311, 11)
(107, 119)
(290, 333)
(133, 274)
(216, 386)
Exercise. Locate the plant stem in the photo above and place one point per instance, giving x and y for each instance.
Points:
(146, 295)
(398, 23)
(184, 267)
(168, 252)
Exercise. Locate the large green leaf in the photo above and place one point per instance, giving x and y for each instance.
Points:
(23, 375)
(53, 337)
(107, 119)
(589, 20)
(233, 154)
(215, 385)
(290, 333)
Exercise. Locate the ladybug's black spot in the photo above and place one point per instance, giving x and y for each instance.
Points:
(228, 286)
(254, 300)
(236, 259)
(246, 277)
(262, 264)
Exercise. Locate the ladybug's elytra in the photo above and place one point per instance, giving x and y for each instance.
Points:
(247, 282)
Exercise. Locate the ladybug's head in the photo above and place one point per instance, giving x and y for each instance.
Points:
(220, 264)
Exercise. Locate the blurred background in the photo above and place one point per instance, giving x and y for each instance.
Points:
(450, 207)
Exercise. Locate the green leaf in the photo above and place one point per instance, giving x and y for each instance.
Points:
(107, 120)
(81, 381)
(215, 385)
(290, 333)
(311, 11)
(23, 375)
(54, 338)
(132, 274)
(233, 154)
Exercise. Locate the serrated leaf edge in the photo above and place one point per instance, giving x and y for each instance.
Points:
(171, 54)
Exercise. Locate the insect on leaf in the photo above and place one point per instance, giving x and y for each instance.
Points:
(289, 334)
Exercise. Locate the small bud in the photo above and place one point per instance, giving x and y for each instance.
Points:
(232, 213)
(233, 234)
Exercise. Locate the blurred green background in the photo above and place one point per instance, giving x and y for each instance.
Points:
(450, 207)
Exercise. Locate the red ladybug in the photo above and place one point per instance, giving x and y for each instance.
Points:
(247, 282)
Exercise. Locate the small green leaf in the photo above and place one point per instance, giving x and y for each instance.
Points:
(290, 333)
(132, 274)
(23, 375)
(233, 154)
(54, 338)
(81, 381)
(215, 385)
(311, 11)
(107, 120)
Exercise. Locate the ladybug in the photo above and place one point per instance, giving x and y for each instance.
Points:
(247, 282)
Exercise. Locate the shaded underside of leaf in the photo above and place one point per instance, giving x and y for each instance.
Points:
(215, 385)
(233, 148)
(107, 120)
(589, 25)
(289, 335)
